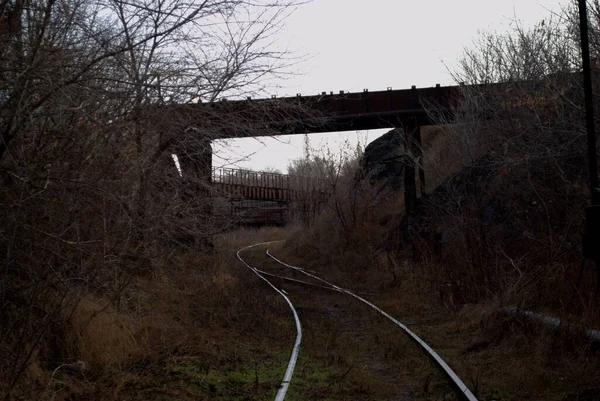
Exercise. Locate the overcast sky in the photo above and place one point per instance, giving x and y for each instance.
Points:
(356, 44)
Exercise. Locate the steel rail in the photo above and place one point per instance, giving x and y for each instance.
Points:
(289, 372)
(447, 369)
(264, 273)
(324, 287)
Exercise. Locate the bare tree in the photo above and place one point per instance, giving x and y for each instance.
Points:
(518, 146)
(324, 180)
(95, 96)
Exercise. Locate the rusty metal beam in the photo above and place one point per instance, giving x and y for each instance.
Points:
(322, 113)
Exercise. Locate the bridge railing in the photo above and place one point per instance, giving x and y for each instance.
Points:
(250, 184)
(256, 197)
(260, 179)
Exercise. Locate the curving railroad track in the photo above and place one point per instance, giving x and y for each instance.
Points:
(312, 280)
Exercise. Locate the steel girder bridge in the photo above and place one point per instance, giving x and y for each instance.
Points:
(259, 198)
(406, 110)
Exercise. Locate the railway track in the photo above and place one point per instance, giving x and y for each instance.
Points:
(281, 393)
(312, 280)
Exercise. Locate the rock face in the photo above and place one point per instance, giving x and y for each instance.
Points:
(384, 159)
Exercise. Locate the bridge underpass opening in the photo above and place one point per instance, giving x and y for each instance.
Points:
(274, 153)
(264, 162)
(423, 171)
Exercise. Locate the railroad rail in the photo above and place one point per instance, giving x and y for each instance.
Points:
(459, 384)
(324, 284)
(289, 371)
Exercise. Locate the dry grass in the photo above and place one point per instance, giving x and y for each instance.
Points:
(196, 329)
(454, 300)
(104, 336)
(499, 356)
(201, 326)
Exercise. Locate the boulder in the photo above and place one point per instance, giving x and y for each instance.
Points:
(384, 160)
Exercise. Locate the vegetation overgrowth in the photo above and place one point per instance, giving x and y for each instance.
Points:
(498, 222)
(106, 248)
(116, 282)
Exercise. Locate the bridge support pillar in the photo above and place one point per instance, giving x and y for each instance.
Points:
(412, 138)
(196, 164)
(418, 153)
(414, 161)
(196, 170)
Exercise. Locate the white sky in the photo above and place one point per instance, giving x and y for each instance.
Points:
(375, 44)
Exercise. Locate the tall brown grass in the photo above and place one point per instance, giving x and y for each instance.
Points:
(197, 306)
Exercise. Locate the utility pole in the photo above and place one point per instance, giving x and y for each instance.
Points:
(591, 237)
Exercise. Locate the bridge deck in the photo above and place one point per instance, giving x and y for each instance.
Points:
(326, 112)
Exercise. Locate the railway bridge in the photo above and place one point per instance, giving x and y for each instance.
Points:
(258, 198)
(406, 109)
